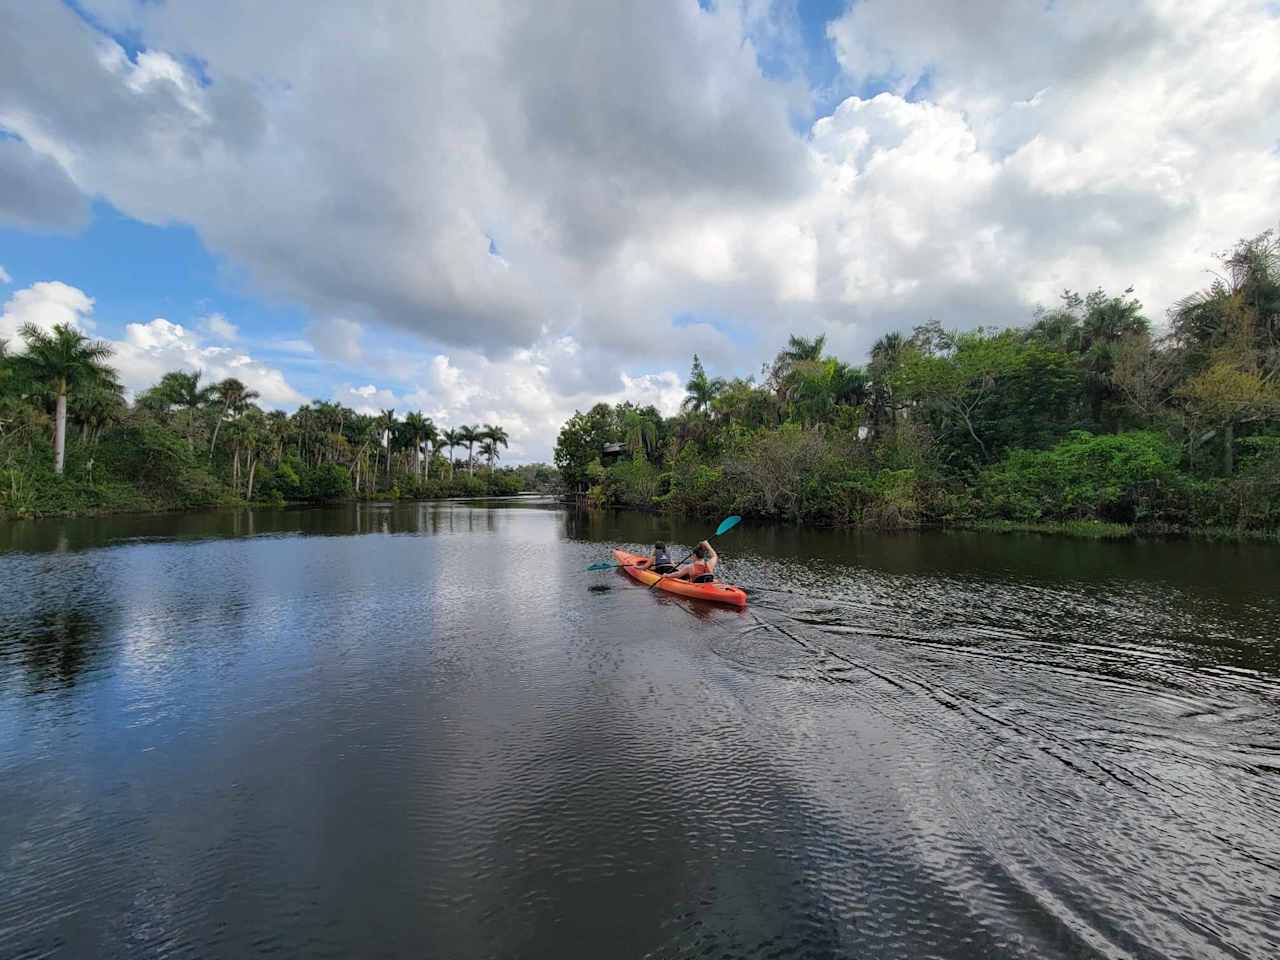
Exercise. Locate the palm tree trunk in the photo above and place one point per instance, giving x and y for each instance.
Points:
(253, 466)
(216, 427)
(426, 466)
(60, 429)
(471, 460)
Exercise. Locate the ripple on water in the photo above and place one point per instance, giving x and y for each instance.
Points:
(434, 737)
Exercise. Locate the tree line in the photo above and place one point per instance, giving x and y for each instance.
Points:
(1086, 413)
(70, 441)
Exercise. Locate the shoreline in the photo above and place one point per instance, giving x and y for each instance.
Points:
(1073, 529)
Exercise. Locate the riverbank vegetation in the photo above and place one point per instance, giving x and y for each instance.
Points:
(71, 443)
(1088, 417)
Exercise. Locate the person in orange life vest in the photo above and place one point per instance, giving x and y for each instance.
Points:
(703, 568)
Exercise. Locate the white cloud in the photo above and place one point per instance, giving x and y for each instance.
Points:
(4, 275)
(46, 304)
(369, 399)
(219, 326)
(148, 350)
(632, 164)
(531, 393)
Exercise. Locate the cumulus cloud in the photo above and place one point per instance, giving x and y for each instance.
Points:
(220, 327)
(521, 392)
(46, 304)
(148, 350)
(4, 275)
(537, 191)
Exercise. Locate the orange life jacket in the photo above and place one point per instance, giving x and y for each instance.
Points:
(699, 569)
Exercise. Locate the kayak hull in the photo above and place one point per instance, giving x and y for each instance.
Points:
(635, 567)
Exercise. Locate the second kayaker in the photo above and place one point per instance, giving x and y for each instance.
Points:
(661, 560)
(703, 568)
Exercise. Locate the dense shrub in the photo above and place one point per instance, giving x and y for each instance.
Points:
(1124, 478)
(328, 481)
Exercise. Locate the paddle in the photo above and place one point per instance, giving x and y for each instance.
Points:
(727, 524)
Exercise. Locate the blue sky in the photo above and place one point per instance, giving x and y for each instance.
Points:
(501, 215)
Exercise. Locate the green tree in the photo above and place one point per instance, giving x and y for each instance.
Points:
(640, 433)
(495, 437)
(431, 439)
(581, 441)
(469, 436)
(799, 350)
(230, 398)
(983, 392)
(386, 424)
(452, 439)
(887, 355)
(415, 424)
(63, 361)
(182, 390)
(701, 389)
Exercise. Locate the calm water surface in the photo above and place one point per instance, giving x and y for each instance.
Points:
(421, 730)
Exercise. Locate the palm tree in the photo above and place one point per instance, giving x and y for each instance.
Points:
(182, 390)
(639, 432)
(387, 424)
(97, 404)
(452, 439)
(495, 437)
(701, 388)
(278, 430)
(365, 432)
(233, 396)
(489, 450)
(415, 423)
(803, 350)
(430, 437)
(65, 360)
(469, 436)
(887, 355)
(797, 352)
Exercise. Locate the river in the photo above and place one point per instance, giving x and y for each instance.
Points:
(422, 730)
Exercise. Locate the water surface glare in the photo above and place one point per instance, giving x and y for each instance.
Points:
(423, 730)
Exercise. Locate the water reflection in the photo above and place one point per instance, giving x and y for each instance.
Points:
(52, 647)
(422, 729)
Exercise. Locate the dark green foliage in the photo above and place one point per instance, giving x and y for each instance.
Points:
(1084, 421)
(1122, 478)
(183, 445)
(328, 481)
(582, 440)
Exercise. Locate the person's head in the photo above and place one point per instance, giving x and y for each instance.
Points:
(701, 551)
(659, 546)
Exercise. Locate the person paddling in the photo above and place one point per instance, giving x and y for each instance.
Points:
(661, 561)
(703, 568)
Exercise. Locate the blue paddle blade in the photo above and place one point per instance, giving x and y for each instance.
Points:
(727, 524)
(602, 566)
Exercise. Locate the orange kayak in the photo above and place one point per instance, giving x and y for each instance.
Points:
(636, 565)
